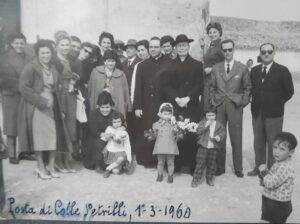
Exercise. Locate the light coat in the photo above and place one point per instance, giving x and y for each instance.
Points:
(118, 89)
(165, 141)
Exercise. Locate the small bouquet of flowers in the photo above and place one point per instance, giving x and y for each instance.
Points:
(150, 134)
(120, 136)
(186, 126)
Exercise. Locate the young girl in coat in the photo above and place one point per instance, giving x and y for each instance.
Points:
(165, 145)
(118, 149)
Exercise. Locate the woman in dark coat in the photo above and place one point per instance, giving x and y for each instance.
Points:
(12, 64)
(68, 97)
(40, 124)
(99, 120)
(212, 56)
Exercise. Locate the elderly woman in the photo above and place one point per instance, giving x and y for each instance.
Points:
(39, 115)
(12, 64)
(111, 79)
(212, 56)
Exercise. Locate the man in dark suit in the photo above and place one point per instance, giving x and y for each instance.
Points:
(230, 93)
(183, 86)
(148, 97)
(131, 61)
(272, 87)
(128, 67)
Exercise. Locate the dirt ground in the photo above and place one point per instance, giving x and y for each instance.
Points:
(231, 199)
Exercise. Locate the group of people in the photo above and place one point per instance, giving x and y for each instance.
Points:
(76, 100)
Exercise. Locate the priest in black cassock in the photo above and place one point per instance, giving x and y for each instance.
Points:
(148, 97)
(183, 86)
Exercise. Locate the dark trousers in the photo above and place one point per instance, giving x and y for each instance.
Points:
(265, 130)
(206, 158)
(229, 113)
(132, 130)
(144, 150)
(275, 211)
(82, 130)
(2, 191)
(187, 152)
(205, 96)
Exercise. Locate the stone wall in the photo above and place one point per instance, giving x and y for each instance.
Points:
(140, 19)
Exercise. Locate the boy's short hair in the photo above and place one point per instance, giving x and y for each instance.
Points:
(210, 109)
(287, 137)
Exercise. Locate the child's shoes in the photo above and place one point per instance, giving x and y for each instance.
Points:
(159, 178)
(195, 183)
(170, 179)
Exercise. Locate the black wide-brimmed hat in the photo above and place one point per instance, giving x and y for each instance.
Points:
(182, 38)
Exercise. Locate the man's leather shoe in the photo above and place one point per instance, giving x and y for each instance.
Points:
(219, 173)
(26, 156)
(77, 156)
(210, 182)
(253, 173)
(13, 160)
(239, 174)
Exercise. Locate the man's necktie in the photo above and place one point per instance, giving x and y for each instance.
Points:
(228, 69)
(264, 72)
(129, 63)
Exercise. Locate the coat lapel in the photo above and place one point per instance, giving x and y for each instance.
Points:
(223, 72)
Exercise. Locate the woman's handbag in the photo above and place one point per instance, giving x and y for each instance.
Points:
(80, 109)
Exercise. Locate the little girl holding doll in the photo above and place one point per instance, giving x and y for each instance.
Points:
(118, 149)
(165, 145)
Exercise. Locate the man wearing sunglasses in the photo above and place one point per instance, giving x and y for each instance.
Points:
(230, 93)
(272, 87)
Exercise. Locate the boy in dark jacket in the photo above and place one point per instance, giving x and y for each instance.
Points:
(210, 133)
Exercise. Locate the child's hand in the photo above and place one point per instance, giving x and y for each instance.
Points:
(217, 138)
(262, 167)
(208, 123)
(105, 136)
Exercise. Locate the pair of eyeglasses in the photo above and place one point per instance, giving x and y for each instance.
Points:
(266, 52)
(227, 50)
(87, 51)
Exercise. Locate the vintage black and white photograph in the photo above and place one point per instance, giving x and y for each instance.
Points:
(180, 111)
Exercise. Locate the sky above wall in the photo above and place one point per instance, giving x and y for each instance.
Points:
(269, 10)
